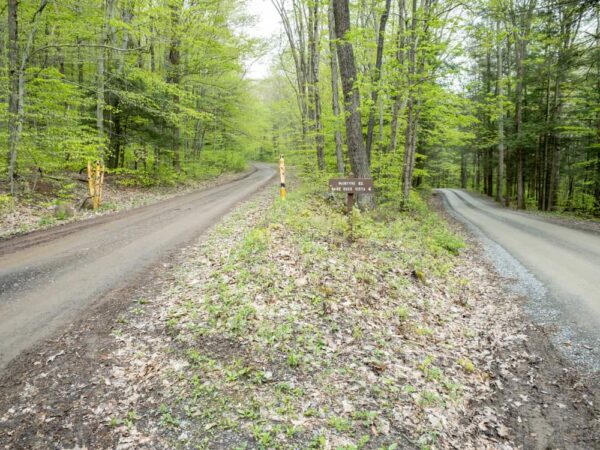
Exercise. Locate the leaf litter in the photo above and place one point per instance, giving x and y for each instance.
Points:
(286, 328)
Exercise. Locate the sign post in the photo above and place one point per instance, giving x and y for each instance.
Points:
(282, 177)
(351, 186)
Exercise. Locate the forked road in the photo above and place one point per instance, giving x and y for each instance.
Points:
(565, 261)
(47, 279)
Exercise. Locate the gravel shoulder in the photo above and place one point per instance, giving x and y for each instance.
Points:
(548, 400)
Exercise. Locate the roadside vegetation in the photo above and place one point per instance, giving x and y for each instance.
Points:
(294, 326)
(66, 200)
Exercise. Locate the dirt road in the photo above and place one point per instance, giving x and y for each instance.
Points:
(556, 266)
(48, 278)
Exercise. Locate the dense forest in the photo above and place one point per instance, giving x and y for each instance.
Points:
(497, 96)
(154, 89)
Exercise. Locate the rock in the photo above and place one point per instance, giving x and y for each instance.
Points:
(301, 282)
(62, 211)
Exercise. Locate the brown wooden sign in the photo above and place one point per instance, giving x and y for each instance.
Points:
(351, 185)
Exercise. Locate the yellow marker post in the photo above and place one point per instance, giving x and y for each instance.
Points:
(282, 177)
(95, 183)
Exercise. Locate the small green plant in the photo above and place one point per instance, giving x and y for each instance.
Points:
(428, 398)
(237, 371)
(466, 364)
(431, 372)
(130, 419)
(264, 437)
(46, 221)
(114, 422)
(340, 424)
(293, 360)
(402, 313)
(424, 331)
(166, 418)
(455, 390)
(7, 203)
(366, 417)
(318, 442)
(409, 389)
(311, 412)
(448, 241)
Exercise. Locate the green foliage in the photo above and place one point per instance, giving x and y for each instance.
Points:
(163, 120)
(7, 203)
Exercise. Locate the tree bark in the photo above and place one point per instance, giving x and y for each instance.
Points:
(173, 77)
(356, 147)
(13, 86)
(17, 83)
(100, 74)
(377, 75)
(412, 113)
(339, 143)
(399, 100)
(499, 97)
(314, 92)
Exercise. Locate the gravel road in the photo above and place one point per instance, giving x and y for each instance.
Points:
(556, 267)
(48, 278)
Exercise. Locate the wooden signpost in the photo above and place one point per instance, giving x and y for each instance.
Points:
(351, 186)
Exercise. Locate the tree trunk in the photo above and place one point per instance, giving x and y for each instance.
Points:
(339, 144)
(477, 180)
(399, 100)
(315, 97)
(409, 144)
(464, 175)
(100, 74)
(500, 174)
(17, 80)
(597, 182)
(356, 147)
(173, 77)
(520, 55)
(377, 75)
(13, 86)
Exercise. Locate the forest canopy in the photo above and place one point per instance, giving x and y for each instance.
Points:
(152, 87)
(498, 96)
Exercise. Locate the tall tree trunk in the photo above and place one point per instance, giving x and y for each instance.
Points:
(17, 82)
(409, 144)
(400, 100)
(377, 75)
(477, 180)
(339, 143)
(356, 147)
(520, 54)
(100, 73)
(298, 52)
(500, 100)
(174, 78)
(13, 86)
(464, 175)
(521, 39)
(314, 93)
(597, 144)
